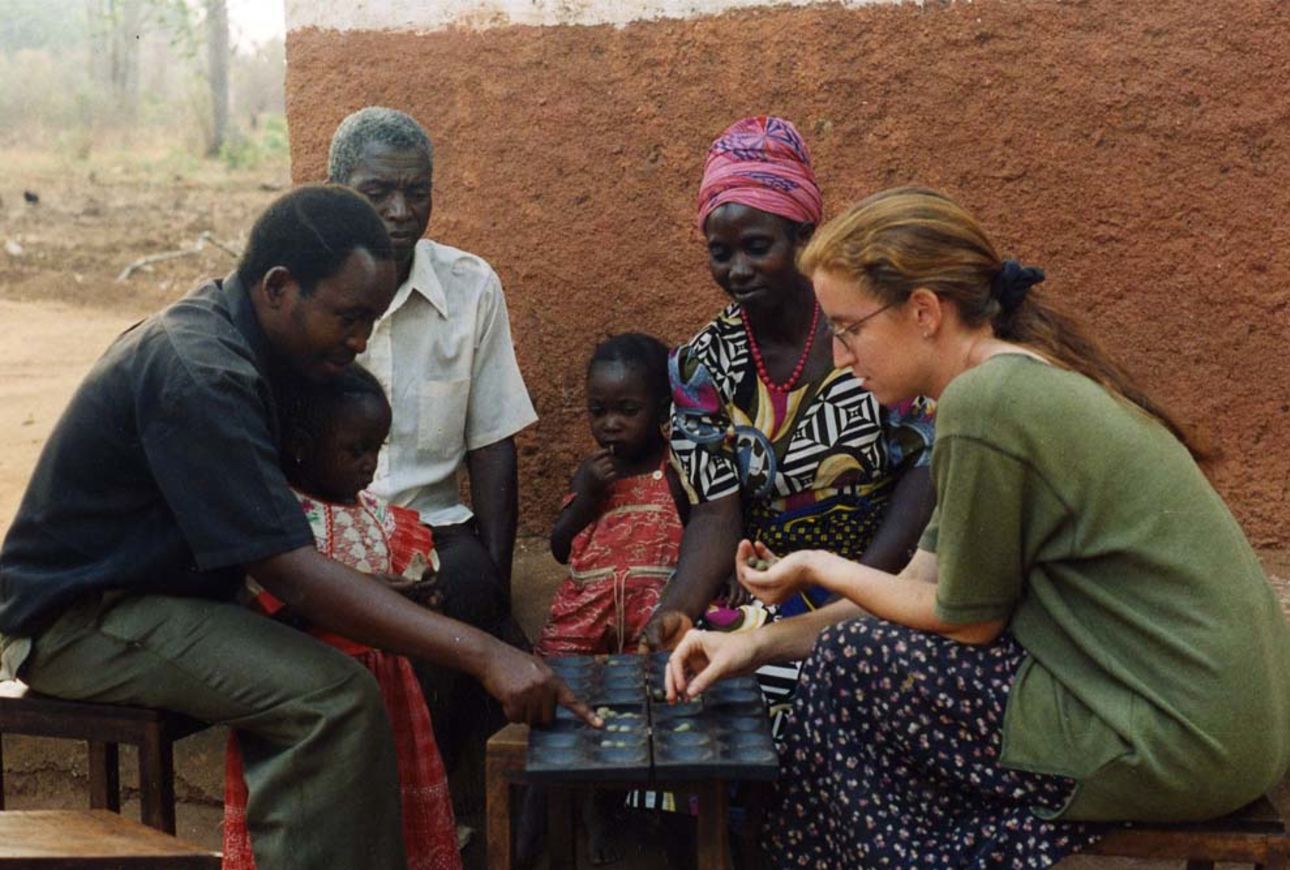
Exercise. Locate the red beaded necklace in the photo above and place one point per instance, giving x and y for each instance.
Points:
(788, 385)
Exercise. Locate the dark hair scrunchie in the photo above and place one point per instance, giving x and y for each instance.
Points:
(1011, 283)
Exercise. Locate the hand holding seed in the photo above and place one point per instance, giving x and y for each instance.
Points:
(769, 578)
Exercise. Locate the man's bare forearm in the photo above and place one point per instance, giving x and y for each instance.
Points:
(354, 605)
(494, 495)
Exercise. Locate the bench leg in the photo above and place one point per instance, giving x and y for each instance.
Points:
(1200, 865)
(1, 771)
(714, 845)
(497, 813)
(157, 781)
(105, 777)
(561, 829)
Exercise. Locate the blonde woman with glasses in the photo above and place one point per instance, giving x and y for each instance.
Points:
(1081, 621)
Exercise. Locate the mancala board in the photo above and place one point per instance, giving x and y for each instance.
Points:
(570, 749)
(725, 734)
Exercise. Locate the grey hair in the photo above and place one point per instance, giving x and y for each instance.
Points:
(374, 125)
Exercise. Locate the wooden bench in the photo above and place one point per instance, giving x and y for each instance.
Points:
(1255, 834)
(92, 840)
(104, 727)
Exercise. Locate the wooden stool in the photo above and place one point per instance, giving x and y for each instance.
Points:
(504, 766)
(104, 727)
(1255, 834)
(67, 839)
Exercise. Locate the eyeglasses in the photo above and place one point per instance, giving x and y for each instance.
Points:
(841, 334)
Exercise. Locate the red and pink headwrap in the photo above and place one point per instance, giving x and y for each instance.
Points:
(763, 163)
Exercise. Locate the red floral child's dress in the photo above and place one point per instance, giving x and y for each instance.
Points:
(373, 537)
(618, 566)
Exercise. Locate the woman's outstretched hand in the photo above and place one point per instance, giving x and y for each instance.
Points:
(768, 577)
(703, 657)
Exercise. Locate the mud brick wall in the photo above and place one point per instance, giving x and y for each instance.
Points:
(1140, 152)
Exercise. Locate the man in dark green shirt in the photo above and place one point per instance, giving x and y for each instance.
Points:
(160, 490)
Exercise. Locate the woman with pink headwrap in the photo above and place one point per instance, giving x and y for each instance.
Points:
(775, 443)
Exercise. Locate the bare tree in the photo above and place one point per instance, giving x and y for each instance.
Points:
(116, 26)
(217, 72)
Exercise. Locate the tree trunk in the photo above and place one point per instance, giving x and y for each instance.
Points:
(123, 20)
(217, 57)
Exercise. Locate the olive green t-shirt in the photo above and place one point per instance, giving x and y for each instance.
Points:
(1158, 666)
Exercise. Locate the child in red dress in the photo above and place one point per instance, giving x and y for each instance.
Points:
(619, 532)
(333, 434)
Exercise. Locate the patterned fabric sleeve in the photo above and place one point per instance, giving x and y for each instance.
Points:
(411, 544)
(699, 428)
(259, 598)
(910, 428)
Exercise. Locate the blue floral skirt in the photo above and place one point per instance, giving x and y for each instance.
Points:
(891, 760)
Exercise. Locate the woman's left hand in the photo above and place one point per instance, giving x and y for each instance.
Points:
(779, 580)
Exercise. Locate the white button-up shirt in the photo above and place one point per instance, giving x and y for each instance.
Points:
(444, 354)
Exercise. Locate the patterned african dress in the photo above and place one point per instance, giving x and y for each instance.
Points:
(814, 469)
(618, 566)
(891, 759)
(376, 538)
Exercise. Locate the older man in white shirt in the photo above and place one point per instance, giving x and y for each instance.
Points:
(444, 354)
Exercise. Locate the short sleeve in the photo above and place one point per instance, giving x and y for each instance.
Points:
(931, 532)
(976, 530)
(910, 429)
(207, 433)
(700, 451)
(499, 404)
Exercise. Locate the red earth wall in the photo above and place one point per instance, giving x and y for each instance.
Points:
(1140, 152)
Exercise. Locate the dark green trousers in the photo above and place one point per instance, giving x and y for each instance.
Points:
(317, 746)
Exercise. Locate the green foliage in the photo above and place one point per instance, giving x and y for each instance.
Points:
(252, 149)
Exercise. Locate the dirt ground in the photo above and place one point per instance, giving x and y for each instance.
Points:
(61, 305)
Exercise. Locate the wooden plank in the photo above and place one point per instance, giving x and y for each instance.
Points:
(105, 776)
(1257, 817)
(511, 738)
(503, 762)
(1209, 846)
(561, 828)
(47, 717)
(157, 781)
(714, 844)
(91, 839)
(1254, 834)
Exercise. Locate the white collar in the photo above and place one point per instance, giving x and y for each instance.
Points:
(423, 279)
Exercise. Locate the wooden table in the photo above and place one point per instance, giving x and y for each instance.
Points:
(92, 840)
(504, 767)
